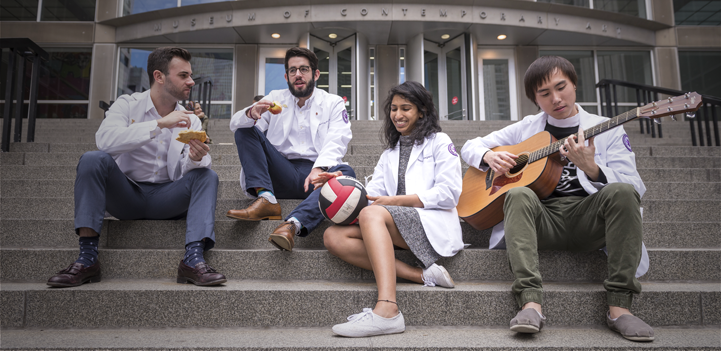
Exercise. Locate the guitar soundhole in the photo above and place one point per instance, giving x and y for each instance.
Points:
(521, 162)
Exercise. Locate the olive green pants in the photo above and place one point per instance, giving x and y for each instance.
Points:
(609, 218)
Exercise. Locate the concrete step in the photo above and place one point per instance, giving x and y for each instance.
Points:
(62, 208)
(357, 148)
(262, 304)
(230, 189)
(233, 234)
(436, 338)
(233, 172)
(230, 159)
(37, 265)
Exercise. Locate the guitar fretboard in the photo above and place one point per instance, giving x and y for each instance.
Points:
(588, 133)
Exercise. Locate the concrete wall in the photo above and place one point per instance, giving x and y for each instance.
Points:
(102, 71)
(387, 72)
(525, 55)
(246, 75)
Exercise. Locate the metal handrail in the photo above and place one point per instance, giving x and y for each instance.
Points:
(26, 49)
(647, 93)
(462, 111)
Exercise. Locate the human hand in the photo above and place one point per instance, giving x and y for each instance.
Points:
(313, 174)
(197, 150)
(175, 119)
(500, 162)
(258, 109)
(324, 177)
(581, 155)
(382, 200)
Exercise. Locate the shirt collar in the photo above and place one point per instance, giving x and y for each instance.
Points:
(572, 121)
(307, 102)
(149, 106)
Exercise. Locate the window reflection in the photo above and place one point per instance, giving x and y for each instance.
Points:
(215, 65)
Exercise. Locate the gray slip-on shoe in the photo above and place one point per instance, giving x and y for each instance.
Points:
(528, 321)
(631, 327)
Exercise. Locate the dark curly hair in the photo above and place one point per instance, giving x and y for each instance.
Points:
(424, 127)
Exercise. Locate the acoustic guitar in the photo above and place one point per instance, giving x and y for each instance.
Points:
(539, 165)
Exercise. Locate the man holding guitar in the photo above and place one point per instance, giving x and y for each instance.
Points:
(595, 203)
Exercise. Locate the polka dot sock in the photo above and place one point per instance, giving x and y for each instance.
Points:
(194, 253)
(88, 250)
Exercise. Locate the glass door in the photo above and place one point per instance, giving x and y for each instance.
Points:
(444, 69)
(336, 62)
(497, 87)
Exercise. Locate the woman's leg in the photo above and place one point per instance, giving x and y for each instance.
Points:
(377, 234)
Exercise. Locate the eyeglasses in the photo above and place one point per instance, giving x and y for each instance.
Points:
(303, 70)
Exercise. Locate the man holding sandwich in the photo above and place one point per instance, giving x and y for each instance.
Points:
(143, 172)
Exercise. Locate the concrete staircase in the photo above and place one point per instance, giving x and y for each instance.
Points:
(289, 300)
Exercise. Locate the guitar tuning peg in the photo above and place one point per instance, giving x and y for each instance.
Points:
(690, 114)
(657, 120)
(673, 118)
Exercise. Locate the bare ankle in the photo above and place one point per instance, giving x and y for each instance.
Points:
(535, 306)
(615, 311)
(386, 308)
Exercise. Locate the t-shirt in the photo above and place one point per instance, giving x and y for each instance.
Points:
(569, 185)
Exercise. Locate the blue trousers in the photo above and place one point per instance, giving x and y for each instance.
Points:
(265, 167)
(101, 186)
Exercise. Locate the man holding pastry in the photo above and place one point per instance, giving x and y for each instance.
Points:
(152, 164)
(285, 141)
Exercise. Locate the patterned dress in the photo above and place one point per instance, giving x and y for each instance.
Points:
(407, 219)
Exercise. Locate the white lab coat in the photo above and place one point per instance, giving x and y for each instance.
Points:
(329, 125)
(434, 174)
(129, 125)
(617, 162)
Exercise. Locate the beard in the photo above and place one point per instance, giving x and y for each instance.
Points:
(178, 92)
(303, 93)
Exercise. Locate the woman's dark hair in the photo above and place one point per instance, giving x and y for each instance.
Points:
(302, 52)
(160, 58)
(541, 70)
(424, 127)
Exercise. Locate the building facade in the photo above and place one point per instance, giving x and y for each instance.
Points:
(471, 54)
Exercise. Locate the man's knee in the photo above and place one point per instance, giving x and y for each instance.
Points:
(205, 175)
(345, 169)
(520, 195)
(242, 134)
(93, 160)
(622, 193)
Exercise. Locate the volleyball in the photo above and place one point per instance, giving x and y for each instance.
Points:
(341, 200)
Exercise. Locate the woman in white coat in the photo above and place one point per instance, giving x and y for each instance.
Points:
(415, 189)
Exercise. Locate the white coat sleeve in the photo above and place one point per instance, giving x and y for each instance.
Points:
(118, 134)
(447, 174)
(186, 163)
(336, 140)
(241, 120)
(376, 187)
(620, 166)
(474, 149)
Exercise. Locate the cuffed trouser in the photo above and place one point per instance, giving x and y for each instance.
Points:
(609, 218)
(265, 167)
(101, 186)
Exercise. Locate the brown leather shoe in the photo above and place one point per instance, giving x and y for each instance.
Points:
(259, 210)
(75, 275)
(203, 275)
(282, 236)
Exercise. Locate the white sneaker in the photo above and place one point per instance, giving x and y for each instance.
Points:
(368, 323)
(437, 275)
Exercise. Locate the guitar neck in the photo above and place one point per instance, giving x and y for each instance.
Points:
(588, 133)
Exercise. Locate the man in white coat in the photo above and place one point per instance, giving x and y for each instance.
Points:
(142, 172)
(281, 152)
(594, 205)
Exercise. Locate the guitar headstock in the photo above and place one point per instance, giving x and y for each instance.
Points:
(688, 102)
